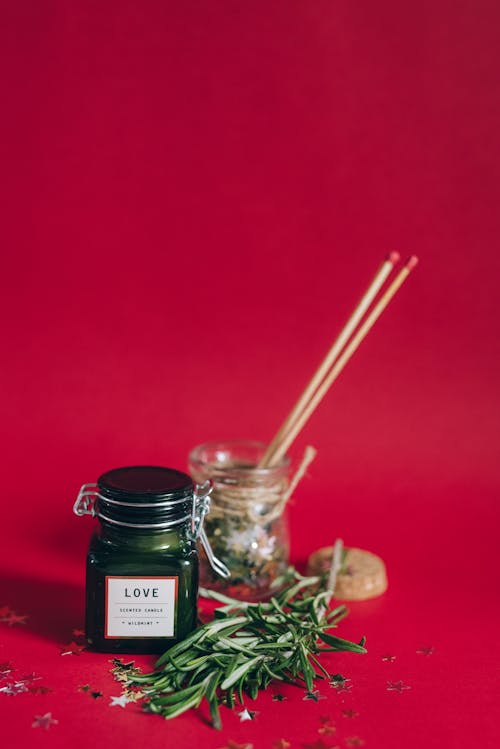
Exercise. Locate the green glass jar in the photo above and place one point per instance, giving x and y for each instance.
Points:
(142, 563)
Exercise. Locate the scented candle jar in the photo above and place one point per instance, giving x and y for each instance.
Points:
(247, 526)
(142, 562)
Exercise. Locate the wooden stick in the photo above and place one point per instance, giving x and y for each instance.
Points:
(332, 354)
(309, 455)
(335, 566)
(297, 426)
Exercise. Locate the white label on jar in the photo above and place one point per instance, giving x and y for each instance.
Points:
(140, 606)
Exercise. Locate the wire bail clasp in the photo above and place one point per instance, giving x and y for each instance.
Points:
(201, 506)
(85, 501)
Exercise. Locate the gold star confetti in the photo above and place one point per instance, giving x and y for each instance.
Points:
(327, 729)
(134, 694)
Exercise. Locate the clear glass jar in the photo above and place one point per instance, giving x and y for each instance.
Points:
(247, 526)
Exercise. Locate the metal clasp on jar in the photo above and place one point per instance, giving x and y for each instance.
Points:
(86, 505)
(85, 501)
(201, 506)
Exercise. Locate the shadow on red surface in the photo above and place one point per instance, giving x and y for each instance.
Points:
(53, 608)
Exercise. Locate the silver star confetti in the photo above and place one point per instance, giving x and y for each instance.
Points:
(17, 687)
(44, 721)
(120, 701)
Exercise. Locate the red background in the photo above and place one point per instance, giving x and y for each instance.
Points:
(195, 195)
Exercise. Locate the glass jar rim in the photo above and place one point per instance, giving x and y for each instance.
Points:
(232, 446)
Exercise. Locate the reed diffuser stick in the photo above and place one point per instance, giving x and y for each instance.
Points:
(333, 353)
(288, 437)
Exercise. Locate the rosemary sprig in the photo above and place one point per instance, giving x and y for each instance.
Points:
(245, 648)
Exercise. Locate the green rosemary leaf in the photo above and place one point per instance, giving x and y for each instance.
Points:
(307, 669)
(213, 683)
(318, 665)
(232, 645)
(180, 647)
(339, 644)
(241, 684)
(214, 712)
(175, 697)
(240, 671)
(178, 709)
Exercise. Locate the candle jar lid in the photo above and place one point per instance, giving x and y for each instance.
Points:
(143, 483)
(145, 495)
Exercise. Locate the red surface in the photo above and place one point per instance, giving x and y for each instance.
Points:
(195, 195)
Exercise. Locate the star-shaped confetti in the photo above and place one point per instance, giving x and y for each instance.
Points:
(426, 651)
(397, 686)
(44, 721)
(72, 648)
(234, 745)
(12, 618)
(39, 690)
(281, 744)
(352, 741)
(134, 694)
(30, 677)
(337, 680)
(315, 696)
(349, 714)
(319, 745)
(17, 687)
(340, 683)
(122, 671)
(327, 728)
(121, 665)
(388, 658)
(120, 701)
(247, 715)
(279, 698)
(5, 668)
